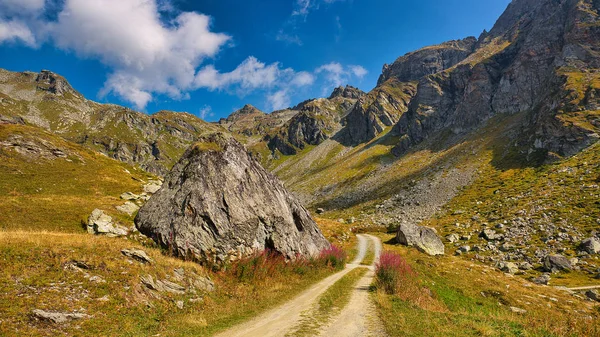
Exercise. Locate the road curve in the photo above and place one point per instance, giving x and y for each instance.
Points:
(278, 321)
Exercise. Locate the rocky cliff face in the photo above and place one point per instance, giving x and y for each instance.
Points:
(428, 60)
(218, 202)
(315, 121)
(381, 108)
(538, 57)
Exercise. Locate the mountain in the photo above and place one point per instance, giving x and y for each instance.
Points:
(154, 142)
(540, 59)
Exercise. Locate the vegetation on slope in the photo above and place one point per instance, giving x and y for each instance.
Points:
(461, 298)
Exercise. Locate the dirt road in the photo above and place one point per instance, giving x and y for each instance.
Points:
(279, 321)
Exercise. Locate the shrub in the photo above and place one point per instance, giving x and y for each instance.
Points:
(333, 257)
(393, 273)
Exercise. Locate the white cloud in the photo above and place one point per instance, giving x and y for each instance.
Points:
(206, 112)
(248, 76)
(18, 6)
(288, 38)
(279, 100)
(303, 78)
(358, 71)
(147, 56)
(11, 31)
(337, 75)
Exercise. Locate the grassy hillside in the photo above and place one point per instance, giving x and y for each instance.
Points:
(49, 184)
(456, 297)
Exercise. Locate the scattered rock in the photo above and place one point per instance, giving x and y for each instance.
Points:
(556, 263)
(101, 223)
(137, 254)
(543, 279)
(525, 266)
(320, 211)
(593, 295)
(129, 196)
(179, 305)
(518, 310)
(508, 267)
(97, 279)
(204, 283)
(591, 245)
(152, 186)
(490, 235)
(452, 238)
(57, 317)
(423, 238)
(128, 208)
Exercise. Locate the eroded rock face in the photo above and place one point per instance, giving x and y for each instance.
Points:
(428, 60)
(218, 203)
(526, 64)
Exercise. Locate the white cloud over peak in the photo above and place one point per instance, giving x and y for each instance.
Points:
(279, 99)
(336, 74)
(14, 30)
(148, 56)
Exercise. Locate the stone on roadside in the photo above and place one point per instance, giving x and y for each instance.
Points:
(424, 239)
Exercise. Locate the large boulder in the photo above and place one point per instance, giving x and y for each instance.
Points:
(424, 239)
(557, 263)
(218, 203)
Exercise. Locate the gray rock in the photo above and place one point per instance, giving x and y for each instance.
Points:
(591, 245)
(218, 203)
(152, 186)
(543, 279)
(518, 310)
(423, 238)
(137, 254)
(525, 266)
(128, 208)
(556, 263)
(129, 196)
(508, 267)
(320, 211)
(57, 317)
(101, 223)
(490, 235)
(593, 295)
(452, 238)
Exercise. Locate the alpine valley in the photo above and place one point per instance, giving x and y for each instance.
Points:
(476, 161)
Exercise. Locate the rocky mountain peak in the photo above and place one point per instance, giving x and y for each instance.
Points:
(347, 92)
(54, 83)
(427, 61)
(218, 203)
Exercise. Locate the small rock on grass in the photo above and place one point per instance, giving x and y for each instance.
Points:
(137, 254)
(518, 310)
(57, 317)
(593, 295)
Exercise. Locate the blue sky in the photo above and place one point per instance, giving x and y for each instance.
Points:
(211, 57)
